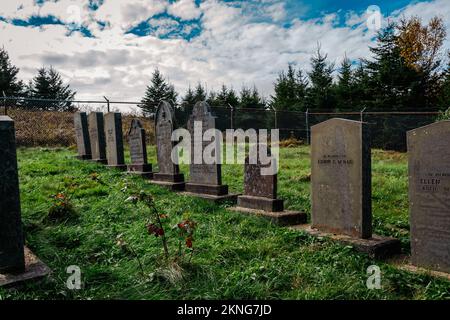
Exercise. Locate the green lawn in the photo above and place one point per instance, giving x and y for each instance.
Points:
(236, 256)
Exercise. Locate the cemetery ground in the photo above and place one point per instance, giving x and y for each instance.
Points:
(236, 256)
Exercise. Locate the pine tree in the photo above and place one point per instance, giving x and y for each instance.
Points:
(48, 85)
(345, 86)
(320, 93)
(158, 90)
(290, 90)
(200, 93)
(9, 84)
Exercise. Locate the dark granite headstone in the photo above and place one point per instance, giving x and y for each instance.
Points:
(205, 179)
(97, 137)
(341, 178)
(138, 150)
(82, 135)
(429, 195)
(169, 172)
(11, 235)
(114, 141)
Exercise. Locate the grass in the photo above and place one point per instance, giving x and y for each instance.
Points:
(237, 256)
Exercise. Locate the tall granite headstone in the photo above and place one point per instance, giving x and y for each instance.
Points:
(82, 135)
(138, 150)
(260, 191)
(429, 195)
(205, 179)
(341, 178)
(169, 172)
(114, 141)
(11, 235)
(97, 137)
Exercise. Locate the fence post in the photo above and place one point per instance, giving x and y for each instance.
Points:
(107, 103)
(307, 125)
(361, 114)
(275, 118)
(4, 103)
(232, 116)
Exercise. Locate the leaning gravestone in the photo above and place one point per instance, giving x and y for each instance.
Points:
(429, 195)
(97, 137)
(341, 186)
(205, 179)
(260, 192)
(82, 135)
(16, 262)
(138, 150)
(114, 141)
(169, 173)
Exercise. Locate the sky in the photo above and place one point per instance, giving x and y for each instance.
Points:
(111, 47)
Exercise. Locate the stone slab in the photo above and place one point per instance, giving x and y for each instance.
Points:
(212, 198)
(214, 190)
(283, 218)
(377, 247)
(173, 186)
(34, 269)
(261, 203)
(168, 177)
(403, 262)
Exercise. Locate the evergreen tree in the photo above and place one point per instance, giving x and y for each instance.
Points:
(48, 84)
(187, 104)
(9, 84)
(290, 90)
(320, 93)
(200, 93)
(345, 86)
(158, 90)
(251, 112)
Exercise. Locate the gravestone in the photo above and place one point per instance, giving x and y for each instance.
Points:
(114, 141)
(82, 135)
(169, 173)
(205, 179)
(97, 137)
(429, 195)
(17, 263)
(341, 187)
(260, 192)
(138, 150)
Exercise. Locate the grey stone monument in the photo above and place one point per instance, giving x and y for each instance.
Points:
(82, 135)
(97, 137)
(341, 186)
(17, 263)
(429, 195)
(260, 193)
(205, 179)
(114, 141)
(138, 150)
(169, 173)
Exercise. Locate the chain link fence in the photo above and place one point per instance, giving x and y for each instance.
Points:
(39, 123)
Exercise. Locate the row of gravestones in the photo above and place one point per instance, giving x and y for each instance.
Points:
(340, 180)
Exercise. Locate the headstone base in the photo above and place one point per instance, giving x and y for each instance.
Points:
(144, 170)
(281, 218)
(121, 167)
(377, 247)
(213, 198)
(102, 161)
(168, 177)
(34, 269)
(84, 157)
(173, 186)
(403, 262)
(207, 189)
(260, 203)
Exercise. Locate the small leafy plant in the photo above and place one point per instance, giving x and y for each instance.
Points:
(61, 208)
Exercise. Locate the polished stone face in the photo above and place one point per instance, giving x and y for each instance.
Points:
(203, 173)
(256, 184)
(82, 134)
(164, 127)
(341, 178)
(97, 135)
(11, 234)
(114, 139)
(429, 195)
(136, 140)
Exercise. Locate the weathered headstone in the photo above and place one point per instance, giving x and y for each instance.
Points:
(341, 186)
(429, 195)
(114, 141)
(17, 263)
(260, 192)
(82, 135)
(97, 137)
(205, 179)
(138, 150)
(11, 236)
(169, 173)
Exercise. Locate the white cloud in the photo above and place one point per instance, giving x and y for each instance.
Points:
(232, 48)
(184, 9)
